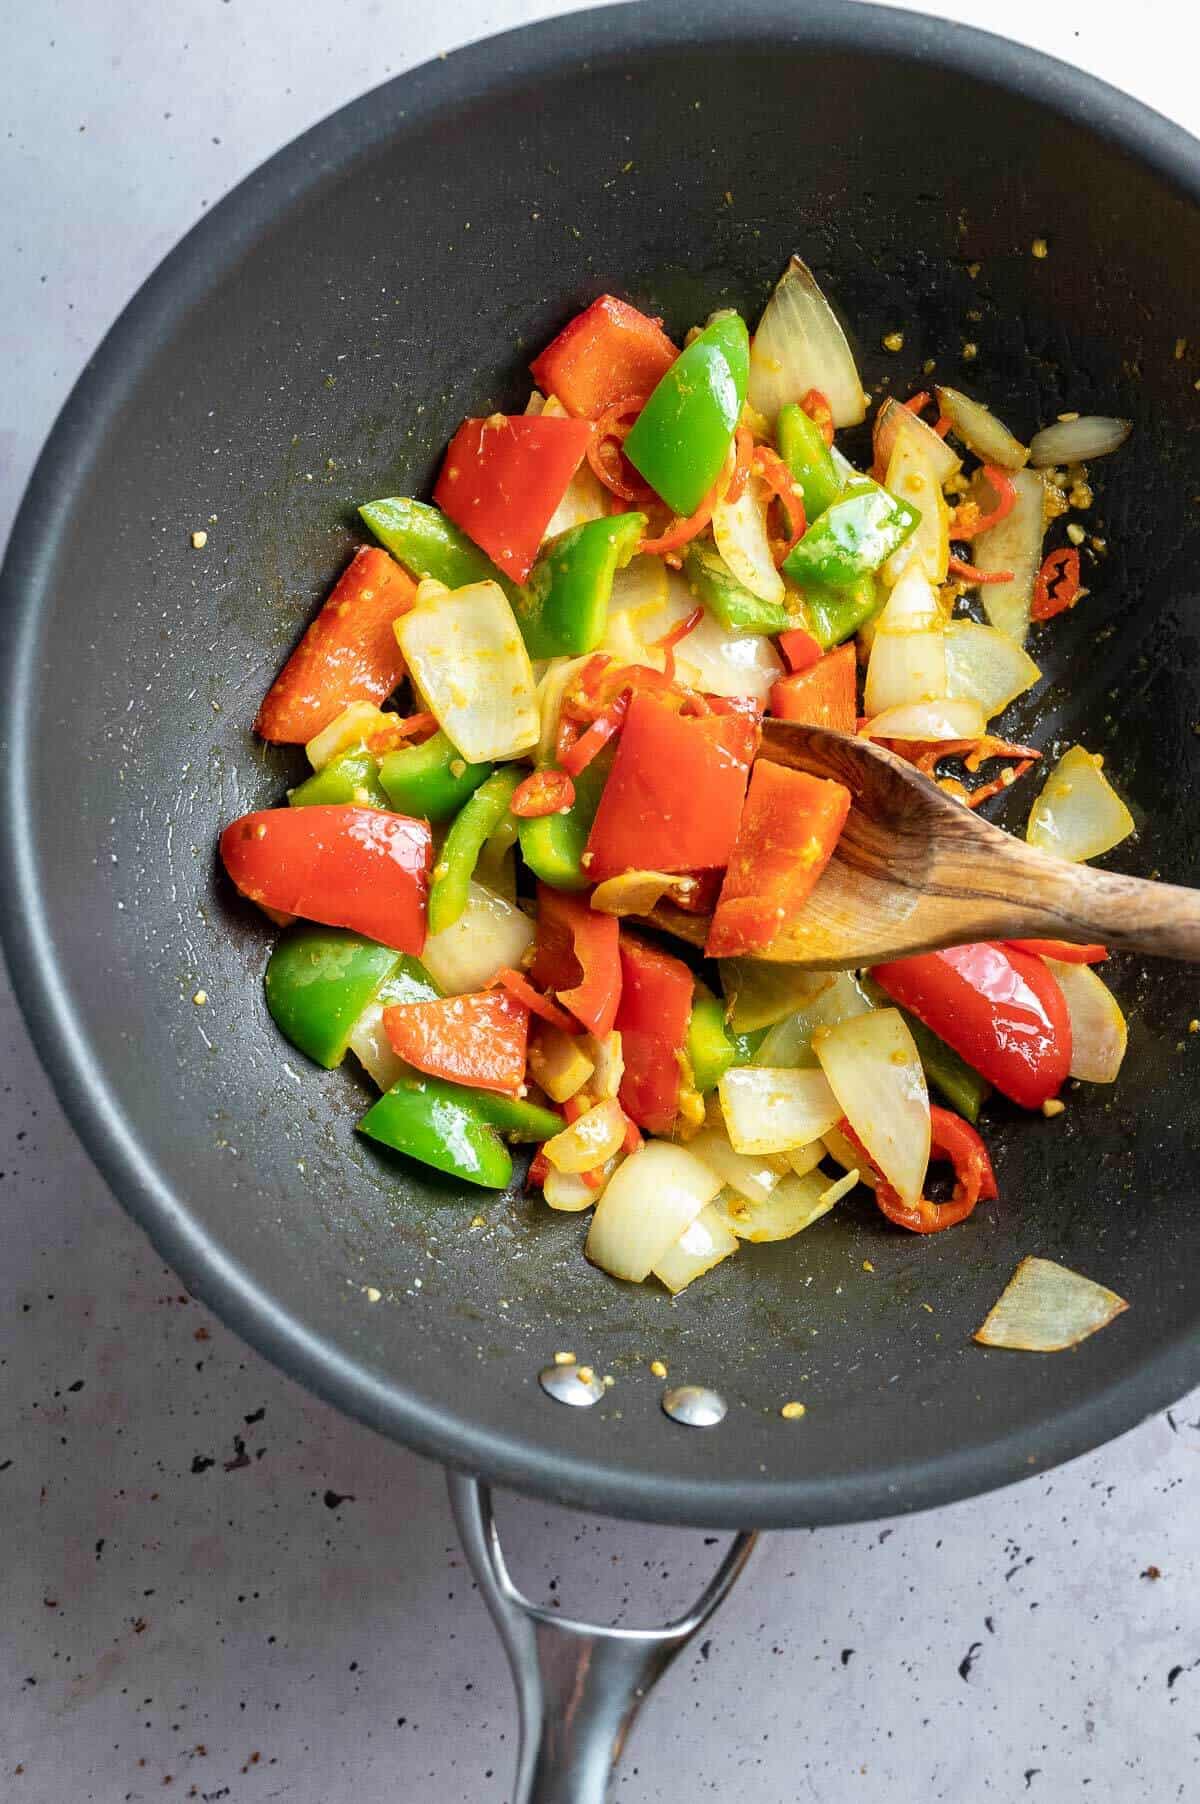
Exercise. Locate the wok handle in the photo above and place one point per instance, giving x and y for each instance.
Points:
(579, 1686)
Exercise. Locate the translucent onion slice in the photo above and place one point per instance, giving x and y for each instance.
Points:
(984, 665)
(646, 1205)
(754, 1179)
(633, 892)
(1079, 814)
(841, 1187)
(703, 1244)
(1047, 1308)
(558, 1061)
(875, 1072)
(928, 720)
(795, 1204)
(373, 1050)
(552, 685)
(789, 1042)
(894, 422)
(980, 431)
(608, 1063)
(586, 497)
(804, 1159)
(719, 662)
(1014, 545)
(566, 1191)
(590, 1141)
(1078, 441)
(642, 608)
(800, 345)
(353, 726)
(912, 476)
(489, 934)
(908, 652)
(740, 532)
(772, 1109)
(759, 993)
(466, 655)
(845, 1155)
(1098, 1032)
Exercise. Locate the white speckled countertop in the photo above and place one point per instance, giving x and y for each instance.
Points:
(215, 1588)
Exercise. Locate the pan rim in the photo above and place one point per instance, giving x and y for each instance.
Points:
(323, 152)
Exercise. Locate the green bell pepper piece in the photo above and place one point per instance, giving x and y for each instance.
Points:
(553, 845)
(803, 449)
(712, 582)
(473, 824)
(745, 1045)
(852, 537)
(421, 537)
(709, 1045)
(515, 1118)
(352, 778)
(319, 980)
(957, 1082)
(409, 982)
(493, 868)
(441, 1125)
(682, 436)
(835, 614)
(431, 781)
(563, 609)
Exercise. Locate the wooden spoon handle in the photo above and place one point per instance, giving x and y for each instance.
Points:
(1127, 913)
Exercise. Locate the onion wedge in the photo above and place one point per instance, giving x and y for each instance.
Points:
(586, 497)
(635, 892)
(760, 994)
(1047, 1308)
(795, 1204)
(353, 726)
(467, 658)
(875, 1072)
(488, 935)
(984, 665)
(911, 477)
(771, 1110)
(651, 1198)
(843, 1154)
(590, 1141)
(1078, 441)
(980, 431)
(1098, 1032)
(1079, 814)
(1015, 545)
(928, 721)
(373, 1050)
(789, 1042)
(799, 345)
(552, 685)
(740, 531)
(753, 1179)
(908, 653)
(703, 1244)
(719, 662)
(895, 422)
(566, 1192)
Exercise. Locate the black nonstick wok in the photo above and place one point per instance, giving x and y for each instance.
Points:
(312, 344)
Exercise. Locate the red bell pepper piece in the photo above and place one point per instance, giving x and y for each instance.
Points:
(608, 353)
(656, 1006)
(360, 868)
(479, 1040)
(502, 479)
(823, 696)
(951, 1138)
(999, 1008)
(674, 795)
(789, 828)
(349, 653)
(522, 991)
(1065, 951)
(800, 649)
(577, 957)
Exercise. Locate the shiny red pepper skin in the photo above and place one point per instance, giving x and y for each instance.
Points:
(999, 1008)
(656, 1007)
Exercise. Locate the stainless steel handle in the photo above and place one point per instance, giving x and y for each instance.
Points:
(579, 1686)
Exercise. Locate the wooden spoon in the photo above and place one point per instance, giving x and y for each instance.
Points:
(914, 870)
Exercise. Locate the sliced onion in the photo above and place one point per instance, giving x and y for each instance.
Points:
(840, 1187)
(466, 655)
(800, 345)
(567, 1192)
(760, 994)
(1098, 1032)
(608, 1056)
(373, 1050)
(634, 892)
(489, 934)
(586, 497)
(590, 1141)
(984, 665)
(928, 720)
(894, 422)
(980, 431)
(795, 1204)
(642, 608)
(875, 1072)
(771, 1109)
(789, 1042)
(740, 532)
(552, 685)
(1047, 1308)
(1079, 814)
(536, 403)
(845, 1155)
(754, 1179)
(1078, 441)
(719, 662)
(649, 1201)
(1015, 545)
(804, 1159)
(353, 726)
(560, 1062)
(912, 476)
(908, 653)
(703, 1244)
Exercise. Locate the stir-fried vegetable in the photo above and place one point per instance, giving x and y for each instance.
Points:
(470, 664)
(647, 1203)
(1079, 814)
(1046, 1308)
(799, 346)
(681, 438)
(875, 1074)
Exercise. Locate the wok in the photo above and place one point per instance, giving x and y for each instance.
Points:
(311, 344)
